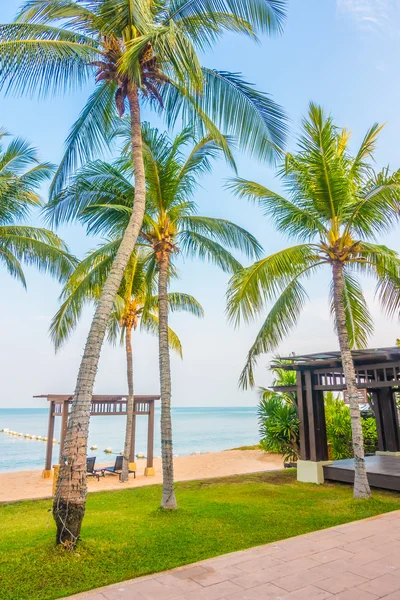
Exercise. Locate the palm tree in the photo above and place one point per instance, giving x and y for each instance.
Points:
(336, 207)
(21, 175)
(135, 305)
(139, 52)
(102, 196)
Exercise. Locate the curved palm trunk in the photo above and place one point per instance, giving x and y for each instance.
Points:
(168, 494)
(70, 498)
(130, 407)
(361, 485)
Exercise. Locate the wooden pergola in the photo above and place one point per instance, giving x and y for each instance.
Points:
(102, 406)
(377, 374)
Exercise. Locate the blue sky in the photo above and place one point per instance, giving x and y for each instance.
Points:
(342, 54)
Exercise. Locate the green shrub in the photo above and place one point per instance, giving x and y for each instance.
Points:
(370, 435)
(279, 426)
(338, 429)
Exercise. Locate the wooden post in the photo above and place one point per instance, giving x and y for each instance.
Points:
(64, 426)
(303, 418)
(389, 420)
(149, 471)
(132, 461)
(49, 446)
(320, 425)
(315, 410)
(310, 415)
(378, 420)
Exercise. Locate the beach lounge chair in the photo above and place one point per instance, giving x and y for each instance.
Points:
(90, 470)
(117, 468)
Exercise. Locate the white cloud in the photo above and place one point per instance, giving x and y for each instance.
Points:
(370, 14)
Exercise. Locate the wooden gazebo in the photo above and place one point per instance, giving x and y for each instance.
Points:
(378, 375)
(102, 406)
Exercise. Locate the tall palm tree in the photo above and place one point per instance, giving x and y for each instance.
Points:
(102, 195)
(135, 305)
(21, 175)
(139, 52)
(336, 207)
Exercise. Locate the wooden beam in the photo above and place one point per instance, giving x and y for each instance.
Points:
(311, 416)
(50, 436)
(389, 419)
(64, 427)
(303, 418)
(320, 426)
(378, 420)
(150, 437)
(133, 440)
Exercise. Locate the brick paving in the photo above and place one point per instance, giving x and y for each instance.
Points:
(356, 561)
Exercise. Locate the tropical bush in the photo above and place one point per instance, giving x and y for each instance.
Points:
(338, 429)
(279, 425)
(370, 435)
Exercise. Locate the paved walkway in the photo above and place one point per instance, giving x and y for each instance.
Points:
(357, 561)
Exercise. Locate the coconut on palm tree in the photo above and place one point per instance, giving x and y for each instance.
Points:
(135, 306)
(101, 195)
(21, 175)
(142, 52)
(336, 207)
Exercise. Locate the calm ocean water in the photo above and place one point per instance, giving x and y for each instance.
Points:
(194, 430)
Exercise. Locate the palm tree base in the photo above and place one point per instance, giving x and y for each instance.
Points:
(68, 517)
(169, 502)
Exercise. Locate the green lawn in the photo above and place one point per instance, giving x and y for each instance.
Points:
(126, 535)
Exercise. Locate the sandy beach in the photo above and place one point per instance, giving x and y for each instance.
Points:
(24, 485)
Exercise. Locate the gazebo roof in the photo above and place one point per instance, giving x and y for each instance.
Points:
(364, 357)
(98, 397)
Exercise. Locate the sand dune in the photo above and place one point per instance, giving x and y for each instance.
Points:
(23, 485)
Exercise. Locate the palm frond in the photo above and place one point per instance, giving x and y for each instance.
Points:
(199, 246)
(12, 264)
(43, 59)
(149, 324)
(290, 218)
(281, 319)
(256, 122)
(225, 232)
(38, 247)
(262, 15)
(88, 136)
(378, 208)
(250, 288)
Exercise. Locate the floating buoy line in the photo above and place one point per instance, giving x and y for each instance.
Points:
(27, 436)
(39, 438)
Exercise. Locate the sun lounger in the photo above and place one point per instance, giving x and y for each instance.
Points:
(117, 468)
(90, 470)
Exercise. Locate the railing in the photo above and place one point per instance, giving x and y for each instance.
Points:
(107, 408)
(372, 376)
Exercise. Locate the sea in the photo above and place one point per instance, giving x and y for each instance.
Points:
(208, 429)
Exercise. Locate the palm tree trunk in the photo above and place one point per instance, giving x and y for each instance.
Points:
(168, 494)
(361, 485)
(130, 407)
(70, 498)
